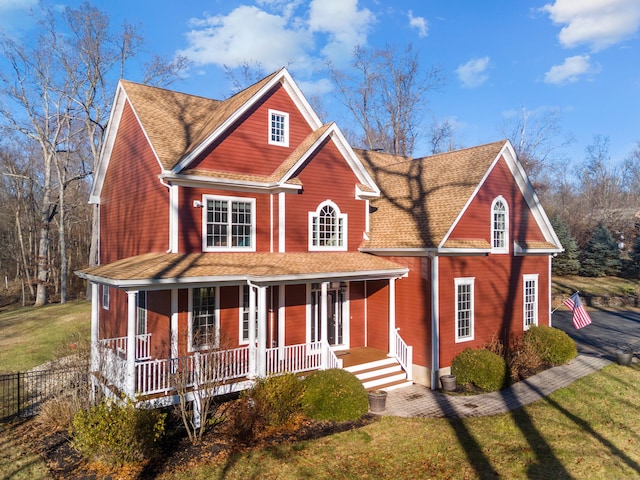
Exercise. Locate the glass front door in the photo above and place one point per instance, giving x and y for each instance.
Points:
(335, 317)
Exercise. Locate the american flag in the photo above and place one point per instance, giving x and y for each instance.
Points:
(580, 316)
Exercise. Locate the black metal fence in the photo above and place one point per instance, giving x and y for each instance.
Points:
(22, 393)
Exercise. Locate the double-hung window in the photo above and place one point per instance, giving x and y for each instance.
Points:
(327, 228)
(204, 324)
(499, 226)
(530, 283)
(105, 297)
(229, 224)
(464, 309)
(278, 128)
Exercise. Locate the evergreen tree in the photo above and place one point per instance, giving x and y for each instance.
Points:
(565, 263)
(634, 256)
(601, 256)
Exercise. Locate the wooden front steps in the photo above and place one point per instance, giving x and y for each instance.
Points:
(375, 369)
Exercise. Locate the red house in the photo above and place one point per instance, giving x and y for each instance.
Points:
(246, 233)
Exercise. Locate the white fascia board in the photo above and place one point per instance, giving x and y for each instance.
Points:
(463, 251)
(121, 98)
(335, 276)
(196, 181)
(529, 193)
(291, 88)
(518, 251)
(397, 252)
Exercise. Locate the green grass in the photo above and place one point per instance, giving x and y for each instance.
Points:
(31, 336)
(588, 430)
(595, 286)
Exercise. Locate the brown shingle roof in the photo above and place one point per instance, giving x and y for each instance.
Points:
(422, 197)
(176, 123)
(158, 267)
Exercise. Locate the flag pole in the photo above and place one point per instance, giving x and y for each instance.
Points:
(577, 291)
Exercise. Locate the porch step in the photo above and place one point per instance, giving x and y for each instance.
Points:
(386, 374)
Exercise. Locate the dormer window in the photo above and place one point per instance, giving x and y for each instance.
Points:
(278, 128)
(327, 228)
(499, 226)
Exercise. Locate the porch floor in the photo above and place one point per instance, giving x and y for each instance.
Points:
(360, 355)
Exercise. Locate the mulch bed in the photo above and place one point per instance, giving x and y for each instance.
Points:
(177, 452)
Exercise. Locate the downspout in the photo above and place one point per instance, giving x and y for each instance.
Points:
(435, 321)
(549, 293)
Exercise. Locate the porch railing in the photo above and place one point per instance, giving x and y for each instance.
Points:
(119, 344)
(156, 376)
(404, 353)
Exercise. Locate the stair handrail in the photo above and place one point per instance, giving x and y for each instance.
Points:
(403, 353)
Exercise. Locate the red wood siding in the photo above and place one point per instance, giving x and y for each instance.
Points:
(190, 218)
(476, 221)
(498, 298)
(134, 205)
(378, 314)
(326, 176)
(245, 146)
(296, 314)
(413, 307)
(356, 314)
(159, 323)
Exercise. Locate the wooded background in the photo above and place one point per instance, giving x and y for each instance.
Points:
(55, 98)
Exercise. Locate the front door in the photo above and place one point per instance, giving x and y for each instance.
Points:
(336, 325)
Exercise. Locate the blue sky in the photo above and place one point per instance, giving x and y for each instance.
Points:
(578, 57)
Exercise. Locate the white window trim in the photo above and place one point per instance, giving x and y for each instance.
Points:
(340, 217)
(505, 248)
(190, 346)
(252, 201)
(525, 279)
(285, 141)
(458, 282)
(142, 313)
(105, 297)
(242, 341)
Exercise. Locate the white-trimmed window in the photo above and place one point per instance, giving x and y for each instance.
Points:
(327, 228)
(245, 311)
(105, 297)
(499, 226)
(141, 313)
(229, 223)
(204, 326)
(464, 309)
(278, 128)
(530, 314)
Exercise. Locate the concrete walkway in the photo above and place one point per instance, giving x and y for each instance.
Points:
(420, 401)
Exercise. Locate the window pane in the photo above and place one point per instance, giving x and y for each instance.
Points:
(204, 317)
(464, 310)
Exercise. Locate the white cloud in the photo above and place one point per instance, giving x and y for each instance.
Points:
(345, 24)
(247, 34)
(276, 33)
(474, 72)
(570, 71)
(420, 23)
(16, 15)
(596, 23)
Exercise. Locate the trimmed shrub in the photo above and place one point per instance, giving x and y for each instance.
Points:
(277, 398)
(554, 346)
(334, 394)
(482, 368)
(117, 433)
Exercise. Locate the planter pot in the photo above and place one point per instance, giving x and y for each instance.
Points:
(448, 383)
(624, 358)
(377, 400)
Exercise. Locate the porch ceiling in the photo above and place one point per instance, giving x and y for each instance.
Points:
(260, 268)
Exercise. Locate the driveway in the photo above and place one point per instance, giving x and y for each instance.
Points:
(608, 329)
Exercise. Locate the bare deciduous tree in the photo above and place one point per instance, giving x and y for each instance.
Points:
(386, 94)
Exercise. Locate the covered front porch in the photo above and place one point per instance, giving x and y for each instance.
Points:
(289, 322)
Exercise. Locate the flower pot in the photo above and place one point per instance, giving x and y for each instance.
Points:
(624, 358)
(448, 383)
(377, 400)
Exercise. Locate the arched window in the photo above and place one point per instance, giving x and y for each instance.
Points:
(327, 228)
(499, 226)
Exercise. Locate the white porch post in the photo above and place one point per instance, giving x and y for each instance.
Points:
(130, 382)
(392, 317)
(253, 370)
(324, 361)
(174, 323)
(262, 331)
(95, 326)
(281, 314)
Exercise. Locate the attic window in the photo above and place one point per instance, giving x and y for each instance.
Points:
(278, 128)
(327, 228)
(499, 226)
